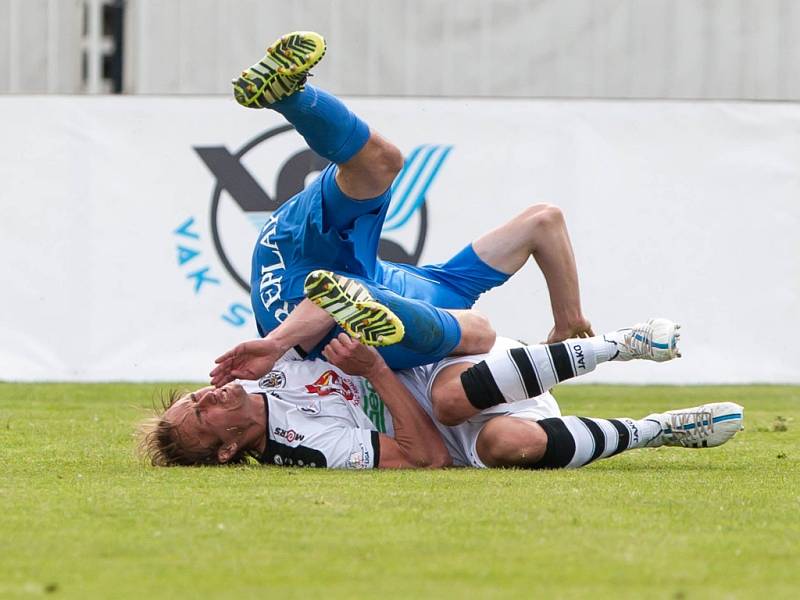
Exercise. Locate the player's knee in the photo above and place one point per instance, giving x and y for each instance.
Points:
(387, 160)
(449, 403)
(511, 442)
(393, 160)
(477, 334)
(543, 216)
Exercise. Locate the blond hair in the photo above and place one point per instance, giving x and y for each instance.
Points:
(159, 441)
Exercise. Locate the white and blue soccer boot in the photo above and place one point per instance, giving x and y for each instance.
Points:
(703, 426)
(657, 340)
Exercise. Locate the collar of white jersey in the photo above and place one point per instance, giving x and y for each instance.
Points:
(263, 458)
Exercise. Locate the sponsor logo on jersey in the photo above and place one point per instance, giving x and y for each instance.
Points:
(359, 460)
(254, 181)
(273, 379)
(290, 436)
(373, 406)
(330, 382)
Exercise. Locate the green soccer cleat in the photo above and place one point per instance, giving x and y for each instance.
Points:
(282, 71)
(352, 307)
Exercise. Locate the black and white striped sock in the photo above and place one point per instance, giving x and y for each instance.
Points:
(525, 372)
(576, 441)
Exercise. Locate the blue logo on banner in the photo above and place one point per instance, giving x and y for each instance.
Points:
(237, 190)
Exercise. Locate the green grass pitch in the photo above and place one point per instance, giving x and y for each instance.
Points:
(80, 517)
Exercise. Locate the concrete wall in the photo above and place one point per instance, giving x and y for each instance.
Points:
(543, 48)
(40, 46)
(736, 49)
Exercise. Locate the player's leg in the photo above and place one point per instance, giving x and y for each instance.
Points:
(463, 390)
(571, 442)
(540, 231)
(367, 163)
(419, 332)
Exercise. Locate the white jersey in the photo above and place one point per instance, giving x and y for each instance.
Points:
(317, 416)
(321, 417)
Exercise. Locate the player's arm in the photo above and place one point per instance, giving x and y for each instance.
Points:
(416, 441)
(305, 326)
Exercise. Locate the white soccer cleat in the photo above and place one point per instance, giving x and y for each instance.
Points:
(698, 427)
(657, 340)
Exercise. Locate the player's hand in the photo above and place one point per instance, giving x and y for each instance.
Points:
(248, 360)
(580, 328)
(352, 357)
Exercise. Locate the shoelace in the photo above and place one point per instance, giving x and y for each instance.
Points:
(692, 427)
(640, 340)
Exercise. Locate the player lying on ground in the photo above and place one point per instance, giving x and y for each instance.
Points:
(334, 225)
(330, 414)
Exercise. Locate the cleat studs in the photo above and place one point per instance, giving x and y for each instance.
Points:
(380, 338)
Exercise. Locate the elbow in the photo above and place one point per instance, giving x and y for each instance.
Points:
(439, 460)
(442, 462)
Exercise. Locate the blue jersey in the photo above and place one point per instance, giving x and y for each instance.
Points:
(321, 228)
(302, 235)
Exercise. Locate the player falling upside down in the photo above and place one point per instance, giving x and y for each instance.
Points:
(334, 226)
(493, 410)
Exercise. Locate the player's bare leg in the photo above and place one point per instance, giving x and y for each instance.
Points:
(477, 334)
(540, 231)
(372, 170)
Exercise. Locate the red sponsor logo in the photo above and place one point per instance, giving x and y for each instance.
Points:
(331, 383)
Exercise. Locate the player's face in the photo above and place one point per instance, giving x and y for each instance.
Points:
(211, 417)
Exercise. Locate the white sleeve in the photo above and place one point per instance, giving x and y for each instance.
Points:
(352, 448)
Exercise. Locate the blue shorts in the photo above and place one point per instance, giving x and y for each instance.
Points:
(319, 228)
(322, 228)
(456, 284)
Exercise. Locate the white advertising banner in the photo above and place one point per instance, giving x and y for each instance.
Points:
(128, 223)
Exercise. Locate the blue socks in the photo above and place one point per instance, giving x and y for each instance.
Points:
(328, 126)
(431, 333)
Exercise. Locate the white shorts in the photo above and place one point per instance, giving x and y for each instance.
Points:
(461, 440)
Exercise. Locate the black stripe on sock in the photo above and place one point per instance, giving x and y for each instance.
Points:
(560, 445)
(599, 438)
(624, 436)
(526, 370)
(480, 387)
(561, 361)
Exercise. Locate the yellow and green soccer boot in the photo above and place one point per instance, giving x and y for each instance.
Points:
(281, 72)
(353, 308)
